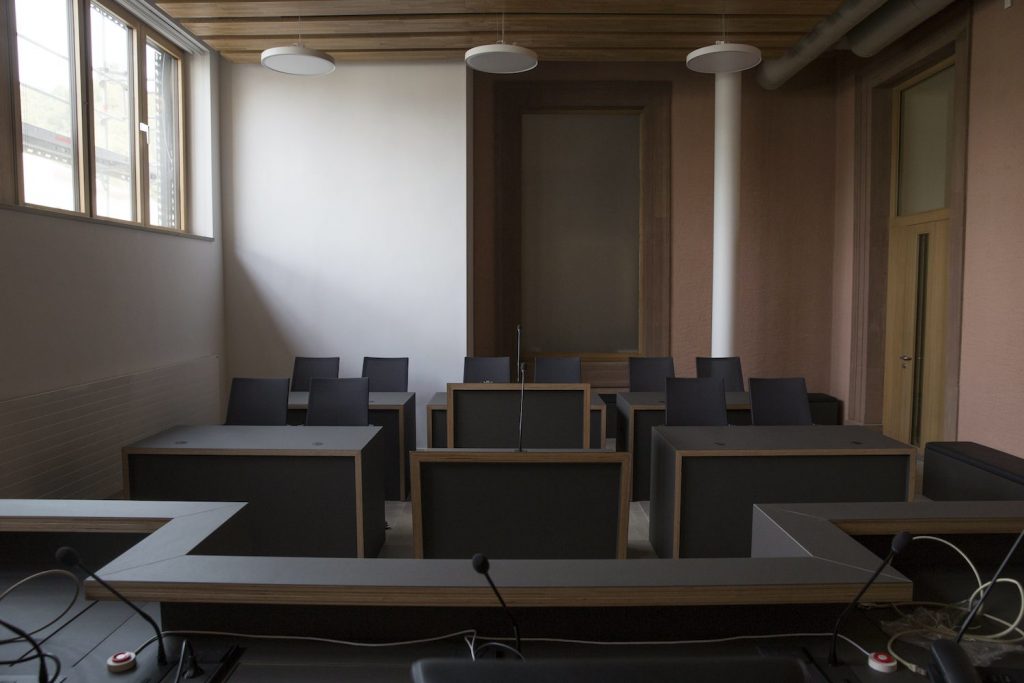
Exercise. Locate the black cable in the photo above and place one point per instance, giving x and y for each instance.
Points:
(44, 676)
(991, 585)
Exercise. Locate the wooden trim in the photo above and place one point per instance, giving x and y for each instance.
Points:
(787, 452)
(602, 430)
(250, 451)
(418, 596)
(402, 490)
(92, 525)
(360, 536)
(677, 505)
(9, 97)
(631, 432)
(417, 504)
(450, 417)
(625, 494)
(430, 425)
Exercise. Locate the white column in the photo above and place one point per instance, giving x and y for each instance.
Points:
(727, 209)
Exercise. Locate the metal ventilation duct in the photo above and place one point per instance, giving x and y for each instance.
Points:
(775, 72)
(891, 22)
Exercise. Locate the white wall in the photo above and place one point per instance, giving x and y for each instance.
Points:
(345, 209)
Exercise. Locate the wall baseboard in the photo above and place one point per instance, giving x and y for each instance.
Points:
(67, 443)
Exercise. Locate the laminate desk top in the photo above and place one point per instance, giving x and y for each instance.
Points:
(379, 400)
(655, 400)
(753, 440)
(251, 440)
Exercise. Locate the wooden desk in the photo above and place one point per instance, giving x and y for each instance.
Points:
(437, 420)
(395, 413)
(639, 411)
(312, 491)
(705, 480)
(571, 504)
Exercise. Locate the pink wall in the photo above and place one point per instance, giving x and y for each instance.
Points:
(842, 246)
(992, 359)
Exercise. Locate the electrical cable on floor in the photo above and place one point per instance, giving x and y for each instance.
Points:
(33, 577)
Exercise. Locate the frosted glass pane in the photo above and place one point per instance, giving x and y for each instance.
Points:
(580, 232)
(162, 108)
(49, 132)
(926, 121)
(112, 100)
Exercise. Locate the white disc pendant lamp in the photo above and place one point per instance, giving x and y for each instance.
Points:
(500, 57)
(297, 59)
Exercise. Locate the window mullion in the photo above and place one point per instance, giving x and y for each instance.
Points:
(87, 126)
(141, 138)
(10, 121)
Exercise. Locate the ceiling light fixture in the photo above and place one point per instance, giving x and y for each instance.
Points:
(501, 58)
(297, 60)
(723, 58)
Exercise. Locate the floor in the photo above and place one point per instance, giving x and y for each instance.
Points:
(398, 540)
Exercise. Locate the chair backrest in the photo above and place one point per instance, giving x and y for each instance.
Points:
(726, 367)
(257, 402)
(695, 402)
(557, 370)
(306, 369)
(649, 374)
(779, 401)
(338, 402)
(386, 374)
(485, 369)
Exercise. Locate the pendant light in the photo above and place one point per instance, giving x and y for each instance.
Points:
(501, 58)
(297, 60)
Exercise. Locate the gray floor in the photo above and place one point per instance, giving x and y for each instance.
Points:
(398, 540)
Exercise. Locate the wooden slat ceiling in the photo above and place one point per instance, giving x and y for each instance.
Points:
(559, 30)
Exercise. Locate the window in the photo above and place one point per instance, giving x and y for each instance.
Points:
(100, 113)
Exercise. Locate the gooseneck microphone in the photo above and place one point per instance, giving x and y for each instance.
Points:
(69, 558)
(949, 663)
(522, 403)
(483, 566)
(899, 542)
(44, 675)
(520, 374)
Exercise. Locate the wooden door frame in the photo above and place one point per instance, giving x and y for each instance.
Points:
(494, 251)
(946, 35)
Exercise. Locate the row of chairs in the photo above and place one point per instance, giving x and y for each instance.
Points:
(645, 373)
(700, 401)
(384, 374)
(333, 401)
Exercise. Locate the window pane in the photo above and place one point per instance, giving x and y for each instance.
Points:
(162, 110)
(112, 111)
(48, 117)
(926, 125)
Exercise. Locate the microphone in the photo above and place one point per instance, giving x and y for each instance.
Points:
(949, 662)
(899, 542)
(522, 405)
(519, 345)
(44, 675)
(482, 566)
(69, 558)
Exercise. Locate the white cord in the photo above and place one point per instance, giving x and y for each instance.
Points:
(332, 641)
(1020, 615)
(962, 554)
(703, 641)
(33, 577)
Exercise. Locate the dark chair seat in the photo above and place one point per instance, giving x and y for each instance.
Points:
(557, 370)
(695, 402)
(306, 368)
(485, 369)
(727, 368)
(649, 374)
(779, 401)
(338, 402)
(387, 374)
(257, 401)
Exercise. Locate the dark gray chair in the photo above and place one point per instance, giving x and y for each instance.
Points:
(779, 401)
(257, 402)
(386, 374)
(649, 374)
(485, 369)
(725, 367)
(557, 370)
(695, 402)
(338, 402)
(306, 369)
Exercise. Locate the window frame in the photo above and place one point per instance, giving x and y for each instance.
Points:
(81, 46)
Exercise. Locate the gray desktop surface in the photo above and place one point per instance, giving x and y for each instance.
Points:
(256, 440)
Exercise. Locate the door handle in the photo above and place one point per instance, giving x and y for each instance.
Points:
(906, 358)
